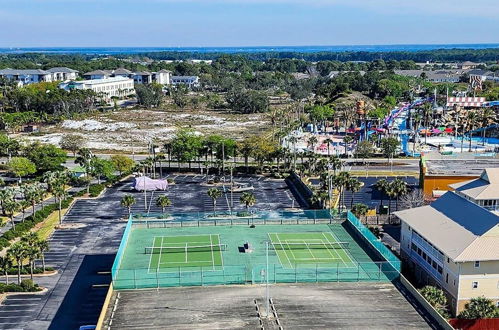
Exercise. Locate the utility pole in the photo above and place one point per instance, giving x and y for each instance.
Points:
(267, 291)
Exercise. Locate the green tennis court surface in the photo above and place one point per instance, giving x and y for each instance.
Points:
(184, 251)
(304, 249)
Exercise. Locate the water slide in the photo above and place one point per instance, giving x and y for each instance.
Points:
(404, 111)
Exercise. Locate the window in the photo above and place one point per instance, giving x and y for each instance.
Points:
(477, 264)
(447, 278)
(474, 285)
(448, 260)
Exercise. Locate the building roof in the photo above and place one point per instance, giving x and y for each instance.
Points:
(485, 187)
(142, 73)
(98, 72)
(102, 81)
(164, 71)
(185, 77)
(457, 227)
(9, 71)
(122, 71)
(62, 69)
(465, 165)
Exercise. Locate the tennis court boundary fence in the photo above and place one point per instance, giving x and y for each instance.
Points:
(142, 278)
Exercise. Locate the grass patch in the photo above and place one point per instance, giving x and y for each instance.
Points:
(48, 226)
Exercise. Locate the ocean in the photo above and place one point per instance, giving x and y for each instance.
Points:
(229, 50)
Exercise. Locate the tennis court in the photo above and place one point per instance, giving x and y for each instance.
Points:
(303, 249)
(168, 252)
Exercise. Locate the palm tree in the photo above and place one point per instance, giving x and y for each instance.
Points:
(335, 163)
(347, 140)
(214, 193)
(43, 247)
(248, 199)
(163, 201)
(6, 195)
(17, 251)
(128, 201)
(472, 120)
(354, 186)
(399, 188)
(340, 181)
(328, 143)
(59, 192)
(160, 158)
(32, 250)
(5, 265)
(84, 159)
(359, 210)
(381, 186)
(487, 118)
(10, 208)
(312, 141)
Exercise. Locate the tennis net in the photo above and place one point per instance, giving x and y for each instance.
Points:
(311, 245)
(185, 248)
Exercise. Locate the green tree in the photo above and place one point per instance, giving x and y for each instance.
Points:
(128, 201)
(21, 166)
(359, 210)
(43, 247)
(248, 199)
(186, 145)
(102, 168)
(247, 101)
(354, 185)
(364, 149)
(389, 146)
(381, 186)
(17, 252)
(214, 194)
(72, 142)
(122, 164)
(398, 189)
(47, 157)
(149, 95)
(84, 159)
(30, 241)
(5, 265)
(436, 297)
(163, 201)
(479, 308)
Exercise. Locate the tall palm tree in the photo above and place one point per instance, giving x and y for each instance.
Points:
(335, 163)
(312, 141)
(43, 247)
(328, 143)
(487, 118)
(381, 186)
(17, 251)
(399, 189)
(32, 250)
(163, 201)
(340, 182)
(354, 185)
(128, 201)
(11, 207)
(347, 140)
(84, 159)
(472, 120)
(248, 199)
(6, 195)
(5, 266)
(214, 193)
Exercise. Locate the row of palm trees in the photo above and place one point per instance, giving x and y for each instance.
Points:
(33, 193)
(393, 189)
(162, 201)
(28, 249)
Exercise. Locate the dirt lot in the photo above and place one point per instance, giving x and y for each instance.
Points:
(131, 130)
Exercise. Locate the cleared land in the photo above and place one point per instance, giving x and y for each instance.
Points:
(298, 306)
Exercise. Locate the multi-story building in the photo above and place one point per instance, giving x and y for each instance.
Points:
(162, 77)
(107, 87)
(63, 73)
(189, 81)
(453, 243)
(26, 77)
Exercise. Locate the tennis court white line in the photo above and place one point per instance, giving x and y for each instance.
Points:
(346, 251)
(159, 258)
(329, 250)
(221, 252)
(278, 256)
(212, 254)
(150, 258)
(303, 241)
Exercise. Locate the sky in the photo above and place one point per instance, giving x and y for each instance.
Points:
(201, 23)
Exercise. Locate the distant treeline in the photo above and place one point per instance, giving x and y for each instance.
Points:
(438, 55)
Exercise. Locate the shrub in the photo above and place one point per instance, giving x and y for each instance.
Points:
(95, 189)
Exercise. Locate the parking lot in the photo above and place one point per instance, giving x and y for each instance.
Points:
(189, 194)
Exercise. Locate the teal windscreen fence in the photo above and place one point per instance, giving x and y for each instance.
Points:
(121, 249)
(373, 241)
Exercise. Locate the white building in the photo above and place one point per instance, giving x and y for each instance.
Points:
(189, 81)
(63, 73)
(453, 243)
(26, 77)
(162, 77)
(108, 87)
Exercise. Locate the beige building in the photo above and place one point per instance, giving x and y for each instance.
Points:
(454, 242)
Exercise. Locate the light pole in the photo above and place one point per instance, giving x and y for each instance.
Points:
(267, 291)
